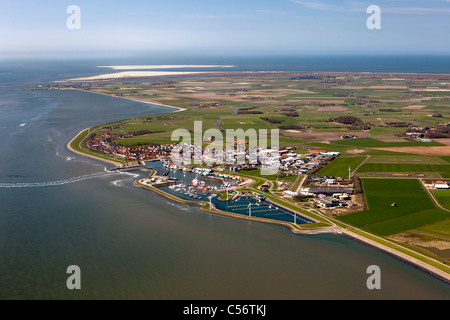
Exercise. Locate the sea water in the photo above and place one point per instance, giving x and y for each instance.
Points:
(59, 209)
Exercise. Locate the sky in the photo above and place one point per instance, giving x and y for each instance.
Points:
(246, 27)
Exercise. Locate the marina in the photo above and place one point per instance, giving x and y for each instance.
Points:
(134, 244)
(203, 186)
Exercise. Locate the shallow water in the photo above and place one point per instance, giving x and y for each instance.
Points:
(59, 209)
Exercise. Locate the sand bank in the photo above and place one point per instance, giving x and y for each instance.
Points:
(129, 75)
(176, 66)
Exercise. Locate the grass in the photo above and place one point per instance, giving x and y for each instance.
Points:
(339, 166)
(414, 207)
(372, 143)
(407, 222)
(414, 210)
(446, 158)
(256, 173)
(403, 167)
(443, 196)
(294, 185)
(440, 230)
(76, 145)
(407, 159)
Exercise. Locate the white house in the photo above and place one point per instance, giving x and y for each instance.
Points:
(290, 194)
(440, 185)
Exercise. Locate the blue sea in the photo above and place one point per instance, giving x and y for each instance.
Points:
(59, 209)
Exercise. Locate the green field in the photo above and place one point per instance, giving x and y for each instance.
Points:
(339, 166)
(407, 222)
(372, 143)
(446, 158)
(414, 207)
(283, 98)
(403, 167)
(443, 196)
(438, 230)
(407, 159)
(306, 108)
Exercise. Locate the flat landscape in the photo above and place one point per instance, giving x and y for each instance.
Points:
(390, 130)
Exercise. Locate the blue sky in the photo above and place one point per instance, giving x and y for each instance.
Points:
(226, 26)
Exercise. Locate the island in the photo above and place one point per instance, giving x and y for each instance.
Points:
(366, 155)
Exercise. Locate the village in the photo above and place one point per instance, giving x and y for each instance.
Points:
(325, 192)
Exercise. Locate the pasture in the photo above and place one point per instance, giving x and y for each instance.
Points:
(413, 207)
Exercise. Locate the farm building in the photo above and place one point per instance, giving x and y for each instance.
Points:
(440, 185)
(330, 190)
(324, 201)
(290, 194)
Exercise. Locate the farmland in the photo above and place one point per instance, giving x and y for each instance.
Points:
(306, 107)
(443, 196)
(402, 167)
(340, 166)
(395, 205)
(382, 126)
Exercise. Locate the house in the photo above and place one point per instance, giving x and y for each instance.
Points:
(290, 194)
(440, 185)
(330, 190)
(327, 202)
(330, 154)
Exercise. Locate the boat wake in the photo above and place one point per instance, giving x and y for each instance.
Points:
(121, 182)
(59, 182)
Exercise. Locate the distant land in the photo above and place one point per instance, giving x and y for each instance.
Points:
(381, 136)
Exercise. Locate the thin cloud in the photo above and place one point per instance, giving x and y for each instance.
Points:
(357, 6)
(415, 10)
(265, 11)
(202, 16)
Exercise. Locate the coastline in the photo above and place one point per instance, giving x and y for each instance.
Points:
(164, 66)
(442, 275)
(131, 75)
(214, 210)
(68, 145)
(425, 267)
(410, 259)
(178, 109)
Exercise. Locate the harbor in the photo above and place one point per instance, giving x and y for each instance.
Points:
(223, 193)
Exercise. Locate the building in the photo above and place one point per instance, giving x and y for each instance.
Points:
(440, 185)
(330, 190)
(289, 193)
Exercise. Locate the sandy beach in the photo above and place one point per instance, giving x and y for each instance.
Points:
(175, 66)
(129, 75)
